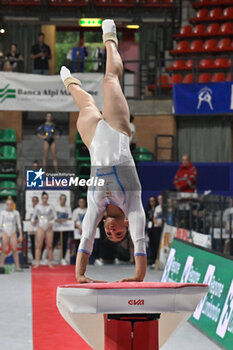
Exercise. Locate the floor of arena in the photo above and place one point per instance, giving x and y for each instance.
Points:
(30, 320)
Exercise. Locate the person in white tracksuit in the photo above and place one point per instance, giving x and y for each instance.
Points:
(107, 137)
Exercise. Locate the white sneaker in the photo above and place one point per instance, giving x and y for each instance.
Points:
(98, 262)
(109, 31)
(63, 262)
(64, 73)
(44, 262)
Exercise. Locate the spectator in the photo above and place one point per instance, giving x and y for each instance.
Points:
(15, 58)
(7, 66)
(157, 220)
(78, 57)
(186, 176)
(133, 137)
(170, 212)
(35, 166)
(150, 226)
(33, 228)
(63, 212)
(46, 216)
(228, 225)
(9, 224)
(78, 216)
(49, 132)
(41, 55)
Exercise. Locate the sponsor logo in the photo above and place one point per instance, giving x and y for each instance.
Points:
(171, 258)
(136, 302)
(187, 269)
(227, 313)
(205, 95)
(207, 280)
(35, 178)
(6, 92)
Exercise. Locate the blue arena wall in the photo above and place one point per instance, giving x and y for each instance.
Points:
(156, 177)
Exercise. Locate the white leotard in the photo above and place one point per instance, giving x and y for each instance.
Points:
(112, 161)
(10, 221)
(46, 215)
(109, 146)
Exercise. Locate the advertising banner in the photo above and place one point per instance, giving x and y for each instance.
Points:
(168, 234)
(201, 239)
(207, 98)
(34, 92)
(214, 313)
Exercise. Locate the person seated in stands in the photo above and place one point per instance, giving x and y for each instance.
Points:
(15, 58)
(7, 66)
(186, 176)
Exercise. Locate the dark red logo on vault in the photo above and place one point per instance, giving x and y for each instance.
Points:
(136, 302)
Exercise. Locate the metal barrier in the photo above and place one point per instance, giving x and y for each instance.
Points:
(203, 213)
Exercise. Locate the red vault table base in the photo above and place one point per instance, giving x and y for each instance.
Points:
(136, 332)
(128, 316)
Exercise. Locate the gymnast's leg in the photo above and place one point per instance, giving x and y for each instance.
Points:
(89, 114)
(115, 108)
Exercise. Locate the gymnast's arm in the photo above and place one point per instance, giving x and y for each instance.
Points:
(89, 226)
(137, 222)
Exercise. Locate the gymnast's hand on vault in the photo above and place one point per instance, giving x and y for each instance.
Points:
(84, 279)
(132, 279)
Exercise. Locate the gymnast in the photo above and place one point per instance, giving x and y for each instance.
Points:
(107, 137)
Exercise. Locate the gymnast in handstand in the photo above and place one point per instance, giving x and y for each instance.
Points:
(107, 137)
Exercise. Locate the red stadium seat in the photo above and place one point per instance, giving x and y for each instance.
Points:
(196, 46)
(199, 29)
(182, 46)
(202, 14)
(224, 44)
(155, 3)
(179, 65)
(210, 45)
(204, 78)
(229, 77)
(226, 28)
(189, 64)
(162, 81)
(213, 29)
(217, 77)
(188, 78)
(206, 63)
(203, 2)
(176, 79)
(228, 13)
(167, 2)
(215, 14)
(122, 3)
(222, 63)
(186, 30)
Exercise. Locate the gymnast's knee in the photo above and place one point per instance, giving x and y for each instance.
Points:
(111, 77)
